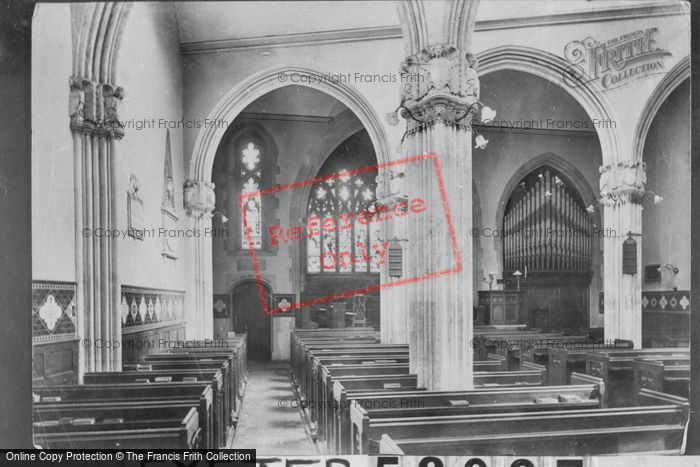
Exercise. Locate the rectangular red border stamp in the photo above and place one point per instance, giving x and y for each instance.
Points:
(456, 267)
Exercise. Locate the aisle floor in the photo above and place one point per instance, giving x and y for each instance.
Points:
(269, 421)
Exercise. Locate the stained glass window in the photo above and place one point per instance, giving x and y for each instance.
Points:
(250, 178)
(337, 201)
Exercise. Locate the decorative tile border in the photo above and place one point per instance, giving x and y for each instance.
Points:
(142, 306)
(54, 311)
(676, 301)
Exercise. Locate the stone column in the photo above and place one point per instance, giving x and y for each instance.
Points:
(394, 304)
(96, 130)
(622, 188)
(438, 104)
(199, 199)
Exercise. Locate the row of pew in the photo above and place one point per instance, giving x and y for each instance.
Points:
(184, 397)
(529, 396)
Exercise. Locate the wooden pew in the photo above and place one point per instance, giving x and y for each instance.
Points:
(170, 425)
(298, 335)
(477, 401)
(343, 367)
(616, 368)
(670, 377)
(237, 351)
(658, 426)
(325, 335)
(563, 362)
(87, 396)
(538, 351)
(337, 415)
(375, 354)
(508, 345)
(500, 342)
(488, 365)
(212, 377)
(484, 328)
(196, 361)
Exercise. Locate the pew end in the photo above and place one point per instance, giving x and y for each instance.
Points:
(388, 446)
(359, 420)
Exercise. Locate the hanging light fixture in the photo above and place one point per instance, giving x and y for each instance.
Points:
(480, 142)
(487, 114)
(224, 219)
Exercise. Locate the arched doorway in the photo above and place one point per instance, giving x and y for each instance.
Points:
(247, 316)
(548, 240)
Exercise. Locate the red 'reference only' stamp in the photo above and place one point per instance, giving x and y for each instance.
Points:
(367, 251)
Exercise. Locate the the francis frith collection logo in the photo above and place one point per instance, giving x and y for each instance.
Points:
(614, 62)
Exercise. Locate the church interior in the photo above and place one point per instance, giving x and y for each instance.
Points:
(422, 227)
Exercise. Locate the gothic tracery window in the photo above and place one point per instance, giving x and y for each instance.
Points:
(341, 197)
(250, 181)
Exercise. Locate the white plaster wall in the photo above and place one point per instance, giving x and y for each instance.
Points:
(150, 70)
(666, 227)
(53, 215)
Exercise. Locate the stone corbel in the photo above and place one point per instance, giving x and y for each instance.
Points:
(76, 103)
(199, 198)
(94, 108)
(623, 182)
(112, 98)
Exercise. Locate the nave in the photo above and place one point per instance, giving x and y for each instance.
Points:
(467, 263)
(529, 398)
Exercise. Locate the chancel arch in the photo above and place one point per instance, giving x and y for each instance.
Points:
(259, 84)
(209, 139)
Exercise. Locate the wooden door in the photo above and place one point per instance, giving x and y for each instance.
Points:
(248, 316)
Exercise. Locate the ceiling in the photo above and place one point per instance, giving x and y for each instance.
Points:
(209, 21)
(217, 21)
(297, 101)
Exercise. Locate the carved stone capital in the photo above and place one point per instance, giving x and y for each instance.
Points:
(94, 108)
(199, 198)
(623, 183)
(440, 83)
